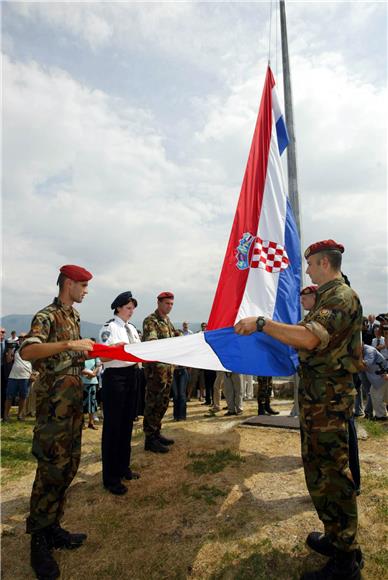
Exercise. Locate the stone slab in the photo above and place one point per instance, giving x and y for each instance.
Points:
(277, 421)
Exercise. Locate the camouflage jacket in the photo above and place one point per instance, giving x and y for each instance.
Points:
(56, 323)
(155, 328)
(336, 319)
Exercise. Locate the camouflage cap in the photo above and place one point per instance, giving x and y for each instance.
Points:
(76, 273)
(309, 290)
(323, 246)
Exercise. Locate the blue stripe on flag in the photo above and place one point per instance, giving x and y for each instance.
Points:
(282, 133)
(257, 354)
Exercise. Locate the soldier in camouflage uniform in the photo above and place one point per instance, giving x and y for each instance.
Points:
(264, 391)
(159, 377)
(329, 347)
(57, 352)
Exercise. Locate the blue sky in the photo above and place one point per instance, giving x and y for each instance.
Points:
(126, 129)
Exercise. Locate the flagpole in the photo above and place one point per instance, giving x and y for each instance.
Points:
(293, 193)
(291, 149)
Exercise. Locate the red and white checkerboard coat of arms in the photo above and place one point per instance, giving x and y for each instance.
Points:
(254, 252)
(269, 256)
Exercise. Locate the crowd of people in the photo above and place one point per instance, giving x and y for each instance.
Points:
(329, 346)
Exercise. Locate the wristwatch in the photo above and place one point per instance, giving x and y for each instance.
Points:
(260, 323)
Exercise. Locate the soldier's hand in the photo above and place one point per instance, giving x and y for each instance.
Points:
(85, 344)
(246, 326)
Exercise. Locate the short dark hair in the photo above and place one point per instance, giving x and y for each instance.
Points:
(61, 280)
(134, 302)
(334, 258)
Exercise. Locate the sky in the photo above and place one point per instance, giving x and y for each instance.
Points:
(126, 129)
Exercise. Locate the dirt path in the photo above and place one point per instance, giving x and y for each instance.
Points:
(248, 520)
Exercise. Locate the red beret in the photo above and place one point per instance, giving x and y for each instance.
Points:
(323, 246)
(76, 273)
(309, 290)
(166, 295)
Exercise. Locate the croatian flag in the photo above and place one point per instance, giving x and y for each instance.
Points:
(260, 275)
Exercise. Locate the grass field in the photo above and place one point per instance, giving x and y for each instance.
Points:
(228, 502)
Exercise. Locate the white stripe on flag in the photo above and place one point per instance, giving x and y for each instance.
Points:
(261, 287)
(187, 351)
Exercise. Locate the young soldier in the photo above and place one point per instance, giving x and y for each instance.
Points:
(329, 346)
(57, 352)
(159, 376)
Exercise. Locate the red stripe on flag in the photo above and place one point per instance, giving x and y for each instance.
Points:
(113, 353)
(232, 282)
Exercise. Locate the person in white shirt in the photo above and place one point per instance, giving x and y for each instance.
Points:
(18, 383)
(119, 396)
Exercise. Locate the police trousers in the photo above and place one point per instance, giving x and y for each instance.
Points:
(119, 396)
(326, 406)
(56, 446)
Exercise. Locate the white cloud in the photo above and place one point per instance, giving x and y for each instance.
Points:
(92, 178)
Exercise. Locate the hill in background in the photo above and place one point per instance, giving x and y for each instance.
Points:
(22, 323)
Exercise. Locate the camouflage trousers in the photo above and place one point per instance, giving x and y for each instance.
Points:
(325, 408)
(264, 388)
(157, 397)
(57, 447)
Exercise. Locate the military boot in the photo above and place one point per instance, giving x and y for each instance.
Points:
(59, 538)
(153, 444)
(42, 561)
(322, 544)
(343, 566)
(164, 440)
(261, 410)
(268, 407)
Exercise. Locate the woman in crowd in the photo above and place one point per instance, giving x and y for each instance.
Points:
(119, 396)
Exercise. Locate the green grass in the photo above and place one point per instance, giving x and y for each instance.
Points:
(375, 429)
(16, 457)
(207, 493)
(213, 462)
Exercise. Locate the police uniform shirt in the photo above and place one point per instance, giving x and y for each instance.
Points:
(114, 331)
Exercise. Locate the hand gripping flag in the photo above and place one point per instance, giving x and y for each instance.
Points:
(260, 274)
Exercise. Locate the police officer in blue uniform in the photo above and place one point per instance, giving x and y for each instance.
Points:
(119, 395)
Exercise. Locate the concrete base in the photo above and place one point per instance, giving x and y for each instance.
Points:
(278, 421)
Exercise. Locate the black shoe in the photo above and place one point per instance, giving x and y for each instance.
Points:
(229, 414)
(59, 538)
(153, 444)
(322, 544)
(261, 409)
(165, 440)
(129, 475)
(269, 409)
(116, 489)
(42, 561)
(381, 418)
(343, 566)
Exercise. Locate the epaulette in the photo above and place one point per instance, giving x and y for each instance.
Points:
(108, 321)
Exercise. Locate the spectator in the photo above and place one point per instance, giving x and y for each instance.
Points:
(185, 329)
(376, 369)
(248, 388)
(378, 341)
(3, 378)
(210, 377)
(233, 393)
(13, 339)
(90, 383)
(18, 383)
(366, 331)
